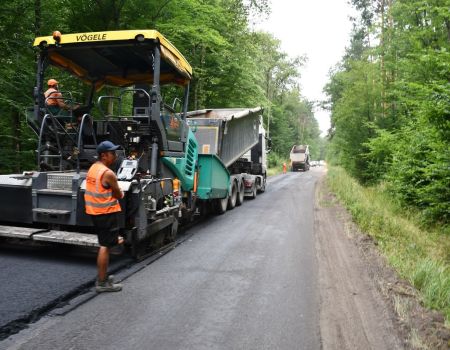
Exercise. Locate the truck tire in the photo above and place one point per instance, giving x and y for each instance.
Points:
(233, 196)
(220, 205)
(241, 194)
(263, 185)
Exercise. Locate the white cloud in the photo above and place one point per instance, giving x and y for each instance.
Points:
(318, 28)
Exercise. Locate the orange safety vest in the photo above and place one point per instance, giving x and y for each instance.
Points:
(53, 94)
(98, 199)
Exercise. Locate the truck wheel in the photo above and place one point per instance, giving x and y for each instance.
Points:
(263, 185)
(220, 205)
(240, 194)
(233, 197)
(254, 192)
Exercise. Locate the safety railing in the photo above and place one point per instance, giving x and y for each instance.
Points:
(86, 118)
(56, 125)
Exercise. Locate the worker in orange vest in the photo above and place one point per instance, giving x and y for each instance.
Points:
(54, 99)
(102, 205)
(284, 168)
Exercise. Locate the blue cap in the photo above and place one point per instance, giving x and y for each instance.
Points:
(106, 146)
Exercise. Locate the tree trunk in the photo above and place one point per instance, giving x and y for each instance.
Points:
(37, 18)
(15, 118)
(447, 24)
(383, 68)
(201, 82)
(195, 82)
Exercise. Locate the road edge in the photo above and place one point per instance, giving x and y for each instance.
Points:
(415, 326)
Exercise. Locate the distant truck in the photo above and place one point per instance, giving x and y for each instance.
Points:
(299, 157)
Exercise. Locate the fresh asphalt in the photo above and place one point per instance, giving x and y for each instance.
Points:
(244, 280)
(37, 279)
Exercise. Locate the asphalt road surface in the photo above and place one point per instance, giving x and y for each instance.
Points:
(280, 272)
(245, 280)
(35, 279)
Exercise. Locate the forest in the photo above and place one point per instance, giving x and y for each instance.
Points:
(389, 96)
(233, 65)
(389, 99)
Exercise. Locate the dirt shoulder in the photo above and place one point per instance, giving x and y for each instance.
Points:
(364, 304)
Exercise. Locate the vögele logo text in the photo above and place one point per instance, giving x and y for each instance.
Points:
(90, 37)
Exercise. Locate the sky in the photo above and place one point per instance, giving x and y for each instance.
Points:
(319, 29)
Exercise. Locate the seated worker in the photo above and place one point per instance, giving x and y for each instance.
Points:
(54, 100)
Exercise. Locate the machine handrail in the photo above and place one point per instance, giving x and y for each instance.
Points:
(80, 136)
(103, 98)
(119, 98)
(57, 125)
(99, 106)
(135, 90)
(174, 103)
(41, 133)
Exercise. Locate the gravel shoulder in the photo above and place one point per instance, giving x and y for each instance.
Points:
(364, 304)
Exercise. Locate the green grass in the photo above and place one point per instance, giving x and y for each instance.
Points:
(274, 171)
(420, 255)
(275, 163)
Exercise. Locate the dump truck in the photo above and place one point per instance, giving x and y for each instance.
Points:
(167, 170)
(238, 138)
(299, 157)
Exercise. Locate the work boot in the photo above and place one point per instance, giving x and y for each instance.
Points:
(107, 286)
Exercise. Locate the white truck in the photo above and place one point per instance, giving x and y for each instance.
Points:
(299, 157)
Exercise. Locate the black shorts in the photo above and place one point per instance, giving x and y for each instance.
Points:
(107, 228)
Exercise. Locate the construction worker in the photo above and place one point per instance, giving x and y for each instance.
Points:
(284, 168)
(53, 98)
(102, 205)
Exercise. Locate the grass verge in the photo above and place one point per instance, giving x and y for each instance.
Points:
(419, 255)
(276, 164)
(274, 171)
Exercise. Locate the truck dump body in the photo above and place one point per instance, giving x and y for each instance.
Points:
(299, 157)
(227, 133)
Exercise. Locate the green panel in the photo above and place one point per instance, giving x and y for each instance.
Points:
(184, 168)
(213, 177)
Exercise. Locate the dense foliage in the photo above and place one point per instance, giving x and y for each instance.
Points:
(233, 65)
(390, 102)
